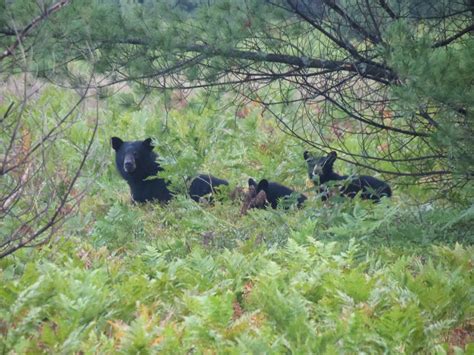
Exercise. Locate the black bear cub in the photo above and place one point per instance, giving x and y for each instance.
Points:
(320, 171)
(136, 163)
(275, 193)
(253, 199)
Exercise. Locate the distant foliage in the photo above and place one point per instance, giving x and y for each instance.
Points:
(387, 84)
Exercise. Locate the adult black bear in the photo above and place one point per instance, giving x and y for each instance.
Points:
(136, 162)
(320, 171)
(275, 193)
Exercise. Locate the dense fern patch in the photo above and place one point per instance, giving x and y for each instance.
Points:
(333, 277)
(309, 296)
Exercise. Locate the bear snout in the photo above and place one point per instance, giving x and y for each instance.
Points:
(317, 170)
(129, 164)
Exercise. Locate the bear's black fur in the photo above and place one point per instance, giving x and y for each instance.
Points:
(275, 192)
(204, 185)
(136, 163)
(320, 171)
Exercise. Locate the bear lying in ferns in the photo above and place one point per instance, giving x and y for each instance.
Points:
(136, 162)
(273, 193)
(320, 171)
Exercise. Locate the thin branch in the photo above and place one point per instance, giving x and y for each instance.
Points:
(7, 112)
(56, 217)
(332, 4)
(387, 8)
(454, 37)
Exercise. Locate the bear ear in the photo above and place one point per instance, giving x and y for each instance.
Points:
(306, 155)
(252, 182)
(147, 143)
(262, 185)
(331, 158)
(116, 142)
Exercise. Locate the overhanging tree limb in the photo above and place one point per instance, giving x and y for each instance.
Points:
(31, 26)
(453, 37)
(365, 69)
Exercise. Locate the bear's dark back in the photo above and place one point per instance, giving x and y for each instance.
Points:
(369, 187)
(276, 191)
(203, 185)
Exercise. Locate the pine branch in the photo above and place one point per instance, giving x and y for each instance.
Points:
(33, 24)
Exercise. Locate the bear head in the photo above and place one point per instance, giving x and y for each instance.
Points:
(256, 196)
(319, 167)
(133, 159)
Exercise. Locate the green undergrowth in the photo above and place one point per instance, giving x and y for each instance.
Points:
(308, 297)
(342, 276)
(190, 278)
